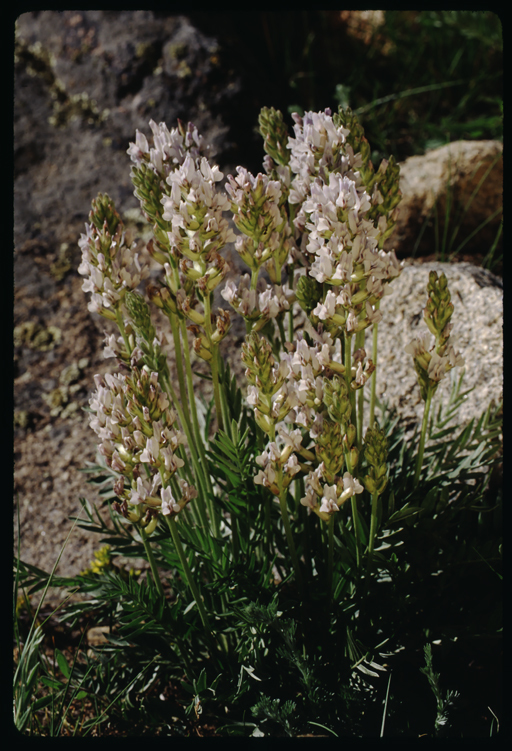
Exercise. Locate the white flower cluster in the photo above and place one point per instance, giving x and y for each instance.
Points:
(111, 269)
(341, 235)
(315, 150)
(195, 207)
(256, 205)
(307, 364)
(436, 365)
(136, 426)
(170, 148)
(257, 305)
(325, 499)
(279, 458)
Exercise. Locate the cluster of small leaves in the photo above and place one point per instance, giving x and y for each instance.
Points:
(444, 701)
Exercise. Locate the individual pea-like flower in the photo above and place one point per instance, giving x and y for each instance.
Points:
(329, 501)
(171, 506)
(268, 474)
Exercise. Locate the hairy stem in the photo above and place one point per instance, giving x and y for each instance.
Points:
(373, 385)
(423, 436)
(152, 562)
(373, 532)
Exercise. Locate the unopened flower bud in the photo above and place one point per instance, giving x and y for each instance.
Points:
(335, 398)
(308, 293)
(376, 453)
(275, 134)
(439, 307)
(138, 310)
(351, 434)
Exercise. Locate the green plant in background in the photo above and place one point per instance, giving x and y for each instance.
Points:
(444, 701)
(275, 521)
(446, 247)
(445, 68)
(446, 73)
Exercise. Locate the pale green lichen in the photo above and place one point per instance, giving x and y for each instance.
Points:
(36, 336)
(60, 399)
(38, 62)
(63, 265)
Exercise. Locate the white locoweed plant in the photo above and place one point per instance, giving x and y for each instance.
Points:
(282, 497)
(311, 231)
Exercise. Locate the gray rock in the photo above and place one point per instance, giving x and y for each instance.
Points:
(477, 332)
(463, 182)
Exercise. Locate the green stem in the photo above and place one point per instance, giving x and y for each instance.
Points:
(223, 401)
(423, 436)
(179, 365)
(216, 386)
(289, 537)
(196, 430)
(255, 272)
(360, 337)
(198, 470)
(290, 312)
(373, 385)
(282, 334)
(151, 560)
(171, 523)
(373, 531)
(355, 518)
(330, 559)
(190, 382)
(348, 376)
(214, 362)
(268, 527)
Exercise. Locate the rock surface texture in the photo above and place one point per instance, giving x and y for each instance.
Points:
(451, 195)
(84, 82)
(477, 332)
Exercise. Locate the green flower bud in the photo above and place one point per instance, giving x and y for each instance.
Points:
(103, 211)
(375, 447)
(259, 360)
(354, 458)
(376, 454)
(350, 436)
(275, 134)
(138, 311)
(329, 449)
(370, 484)
(336, 400)
(308, 293)
(356, 139)
(439, 308)
(263, 421)
(162, 298)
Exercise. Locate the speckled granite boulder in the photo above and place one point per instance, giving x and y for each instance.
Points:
(477, 331)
